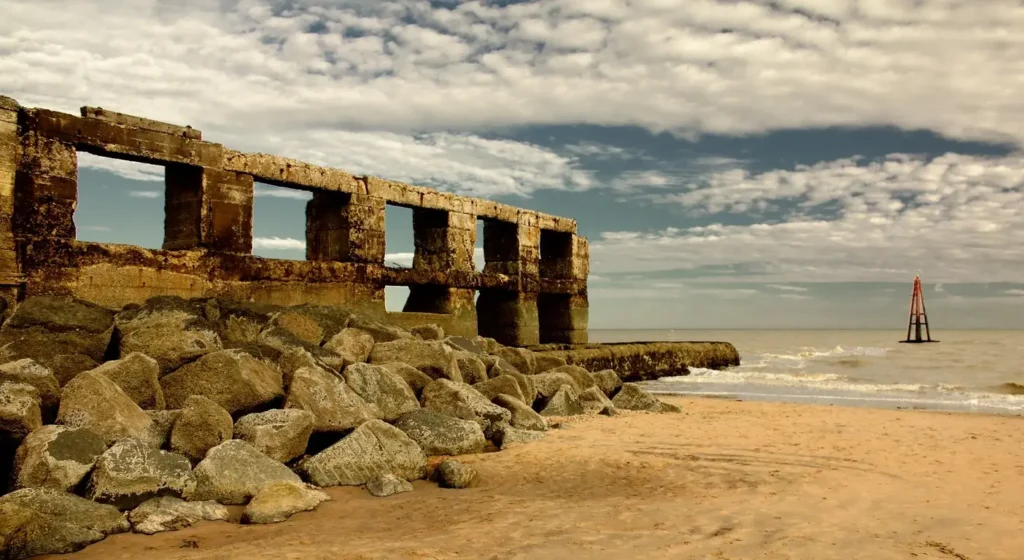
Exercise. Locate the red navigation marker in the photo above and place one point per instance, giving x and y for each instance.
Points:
(918, 316)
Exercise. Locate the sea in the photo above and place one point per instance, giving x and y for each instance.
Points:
(972, 371)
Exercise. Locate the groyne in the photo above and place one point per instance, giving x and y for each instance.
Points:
(642, 361)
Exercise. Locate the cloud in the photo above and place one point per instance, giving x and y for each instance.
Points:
(279, 244)
(955, 217)
(145, 194)
(1014, 292)
(786, 288)
(94, 228)
(126, 169)
(279, 192)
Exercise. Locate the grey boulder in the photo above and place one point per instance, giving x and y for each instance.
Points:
(453, 474)
(278, 501)
(30, 372)
(438, 434)
(56, 457)
(93, 401)
(564, 403)
(608, 381)
(131, 472)
(279, 434)
(378, 386)
(234, 471)
(36, 521)
(634, 397)
(201, 426)
(233, 379)
(387, 484)
(138, 376)
(372, 449)
(334, 405)
(353, 345)
(433, 358)
(523, 417)
(459, 400)
(168, 513)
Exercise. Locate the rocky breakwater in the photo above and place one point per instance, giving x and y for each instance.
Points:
(158, 416)
(643, 361)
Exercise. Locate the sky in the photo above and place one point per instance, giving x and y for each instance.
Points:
(734, 163)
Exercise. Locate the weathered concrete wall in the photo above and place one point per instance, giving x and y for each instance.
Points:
(533, 288)
(641, 361)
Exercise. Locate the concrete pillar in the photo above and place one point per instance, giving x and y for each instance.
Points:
(345, 227)
(508, 317)
(46, 189)
(511, 248)
(444, 240)
(206, 208)
(10, 157)
(563, 318)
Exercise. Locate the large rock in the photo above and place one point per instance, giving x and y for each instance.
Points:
(131, 472)
(378, 386)
(433, 358)
(19, 412)
(453, 474)
(634, 397)
(281, 435)
(93, 401)
(373, 449)
(354, 345)
(202, 425)
(438, 434)
(295, 359)
(388, 485)
(336, 407)
(546, 362)
(331, 320)
(163, 423)
(379, 331)
(234, 471)
(36, 521)
(284, 340)
(231, 378)
(138, 376)
(302, 326)
(502, 384)
(550, 382)
(508, 436)
(594, 401)
(565, 402)
(56, 457)
(608, 381)
(168, 513)
(523, 417)
(526, 384)
(165, 311)
(581, 376)
(238, 322)
(465, 344)
(428, 332)
(278, 501)
(459, 400)
(29, 372)
(170, 346)
(66, 366)
(497, 366)
(54, 325)
(524, 360)
(471, 367)
(413, 377)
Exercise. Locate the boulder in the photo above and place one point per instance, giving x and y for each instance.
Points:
(526, 384)
(431, 357)
(413, 377)
(304, 327)
(56, 457)
(546, 362)
(93, 401)
(428, 332)
(668, 407)
(378, 386)
(523, 417)
(634, 397)
(372, 449)
(283, 340)
(37, 521)
(508, 436)
(438, 434)
(202, 425)
(388, 484)
(608, 381)
(502, 384)
(52, 325)
(471, 367)
(257, 350)
(281, 435)
(238, 322)
(522, 359)
(138, 376)
(163, 423)
(353, 345)
(29, 372)
(489, 345)
(331, 320)
(581, 376)
(594, 401)
(234, 471)
(278, 501)
(169, 345)
(459, 400)
(66, 366)
(19, 413)
(334, 405)
(565, 402)
(173, 312)
(131, 472)
(379, 331)
(168, 513)
(453, 474)
(497, 366)
(465, 344)
(231, 378)
(296, 358)
(550, 382)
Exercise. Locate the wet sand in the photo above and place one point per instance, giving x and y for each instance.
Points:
(722, 480)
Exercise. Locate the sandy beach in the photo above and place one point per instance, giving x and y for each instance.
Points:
(722, 480)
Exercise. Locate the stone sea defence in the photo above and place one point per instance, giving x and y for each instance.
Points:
(642, 361)
(157, 416)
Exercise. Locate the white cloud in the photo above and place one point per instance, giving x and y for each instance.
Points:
(400, 259)
(279, 244)
(126, 169)
(786, 288)
(95, 228)
(279, 192)
(1014, 292)
(145, 194)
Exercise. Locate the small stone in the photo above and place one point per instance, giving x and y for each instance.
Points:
(453, 474)
(56, 457)
(633, 397)
(668, 407)
(202, 425)
(353, 345)
(564, 403)
(428, 332)
(278, 501)
(281, 435)
(168, 513)
(234, 471)
(138, 376)
(131, 472)
(388, 485)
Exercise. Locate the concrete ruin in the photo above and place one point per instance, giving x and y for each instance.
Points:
(533, 288)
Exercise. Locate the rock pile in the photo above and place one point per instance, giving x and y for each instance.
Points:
(157, 416)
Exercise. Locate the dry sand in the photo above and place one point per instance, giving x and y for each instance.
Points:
(722, 480)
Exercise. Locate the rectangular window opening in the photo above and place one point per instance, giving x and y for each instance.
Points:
(395, 298)
(555, 254)
(501, 247)
(399, 241)
(119, 202)
(279, 222)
